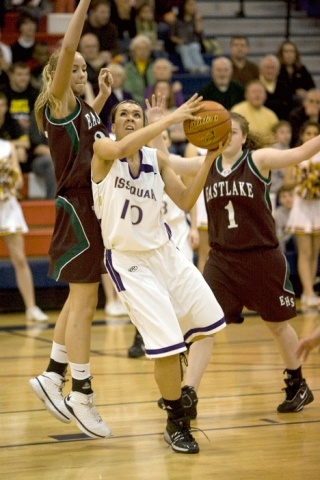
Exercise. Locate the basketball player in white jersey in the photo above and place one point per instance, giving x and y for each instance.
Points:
(165, 295)
(183, 226)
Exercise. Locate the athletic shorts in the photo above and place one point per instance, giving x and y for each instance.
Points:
(76, 250)
(257, 280)
(166, 298)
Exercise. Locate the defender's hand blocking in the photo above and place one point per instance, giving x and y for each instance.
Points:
(188, 110)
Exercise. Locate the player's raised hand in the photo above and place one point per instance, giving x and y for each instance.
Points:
(156, 109)
(188, 110)
(305, 346)
(212, 154)
(105, 81)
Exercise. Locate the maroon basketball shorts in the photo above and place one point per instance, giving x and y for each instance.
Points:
(255, 279)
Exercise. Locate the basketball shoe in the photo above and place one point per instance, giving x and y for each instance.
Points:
(48, 388)
(298, 395)
(178, 436)
(189, 402)
(81, 407)
(36, 315)
(137, 349)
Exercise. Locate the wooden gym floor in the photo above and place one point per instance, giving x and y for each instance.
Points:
(246, 438)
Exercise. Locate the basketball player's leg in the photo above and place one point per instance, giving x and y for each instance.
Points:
(297, 391)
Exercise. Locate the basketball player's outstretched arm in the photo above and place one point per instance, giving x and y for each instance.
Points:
(185, 197)
(61, 81)
(267, 159)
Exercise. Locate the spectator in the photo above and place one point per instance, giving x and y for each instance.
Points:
(261, 119)
(166, 12)
(186, 33)
(117, 93)
(283, 133)
(304, 218)
(308, 110)
(146, 25)
(243, 69)
(39, 158)
(40, 57)
(123, 14)
(89, 48)
(139, 69)
(292, 72)
(13, 226)
(98, 23)
(4, 79)
(11, 130)
(281, 215)
(279, 98)
(36, 8)
(178, 138)
(222, 88)
(22, 48)
(162, 70)
(6, 54)
(21, 94)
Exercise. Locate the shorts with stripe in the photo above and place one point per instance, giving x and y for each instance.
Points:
(76, 250)
(256, 279)
(166, 298)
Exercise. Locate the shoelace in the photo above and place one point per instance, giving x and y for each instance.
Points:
(185, 434)
(183, 361)
(94, 412)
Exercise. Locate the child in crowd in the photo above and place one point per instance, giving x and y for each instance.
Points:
(281, 215)
(282, 132)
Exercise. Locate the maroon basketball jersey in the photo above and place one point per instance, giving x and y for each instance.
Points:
(238, 207)
(70, 140)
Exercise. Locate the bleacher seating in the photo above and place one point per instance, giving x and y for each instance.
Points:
(39, 215)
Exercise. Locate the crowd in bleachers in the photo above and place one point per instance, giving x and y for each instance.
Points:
(147, 45)
(131, 36)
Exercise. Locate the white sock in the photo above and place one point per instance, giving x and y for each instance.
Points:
(80, 371)
(59, 353)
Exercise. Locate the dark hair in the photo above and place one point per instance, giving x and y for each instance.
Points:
(304, 126)
(95, 3)
(297, 62)
(115, 108)
(239, 37)
(25, 16)
(281, 123)
(14, 66)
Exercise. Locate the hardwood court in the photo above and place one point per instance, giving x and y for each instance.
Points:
(245, 438)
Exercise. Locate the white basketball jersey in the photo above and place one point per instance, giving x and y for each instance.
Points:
(130, 208)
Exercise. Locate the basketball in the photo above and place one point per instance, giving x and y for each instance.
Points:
(212, 128)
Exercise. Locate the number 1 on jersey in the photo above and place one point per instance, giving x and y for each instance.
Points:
(230, 209)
